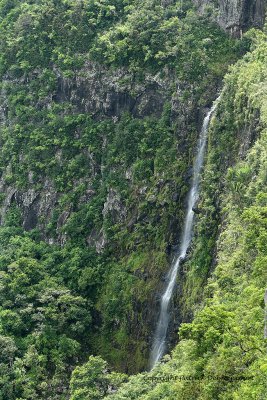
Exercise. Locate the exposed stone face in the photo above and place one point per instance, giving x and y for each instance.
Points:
(97, 239)
(33, 204)
(100, 92)
(241, 14)
(114, 206)
(236, 16)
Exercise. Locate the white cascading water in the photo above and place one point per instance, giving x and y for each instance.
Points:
(159, 344)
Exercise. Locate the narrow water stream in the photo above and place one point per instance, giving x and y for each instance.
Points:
(159, 343)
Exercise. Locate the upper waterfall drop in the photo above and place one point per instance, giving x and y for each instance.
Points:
(159, 344)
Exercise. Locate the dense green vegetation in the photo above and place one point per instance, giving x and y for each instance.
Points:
(223, 350)
(101, 107)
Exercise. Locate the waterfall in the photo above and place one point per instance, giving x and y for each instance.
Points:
(159, 343)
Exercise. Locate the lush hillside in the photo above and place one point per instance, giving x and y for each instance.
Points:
(222, 353)
(101, 106)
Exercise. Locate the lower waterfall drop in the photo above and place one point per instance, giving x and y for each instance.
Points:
(159, 343)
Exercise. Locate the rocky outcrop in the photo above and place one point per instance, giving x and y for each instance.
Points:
(36, 205)
(100, 92)
(236, 16)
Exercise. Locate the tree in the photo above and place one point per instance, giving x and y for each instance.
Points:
(92, 381)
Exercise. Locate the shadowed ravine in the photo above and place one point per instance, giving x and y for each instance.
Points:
(159, 342)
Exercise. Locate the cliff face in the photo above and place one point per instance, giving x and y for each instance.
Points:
(127, 200)
(236, 16)
(240, 15)
(219, 340)
(94, 91)
(101, 105)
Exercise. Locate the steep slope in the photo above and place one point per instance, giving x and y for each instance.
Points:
(101, 105)
(222, 353)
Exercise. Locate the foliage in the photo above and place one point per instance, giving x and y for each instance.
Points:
(117, 180)
(93, 381)
(221, 354)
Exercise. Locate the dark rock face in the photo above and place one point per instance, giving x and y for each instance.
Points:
(236, 16)
(101, 92)
(33, 204)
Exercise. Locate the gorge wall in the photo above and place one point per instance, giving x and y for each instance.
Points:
(236, 16)
(101, 107)
(221, 355)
